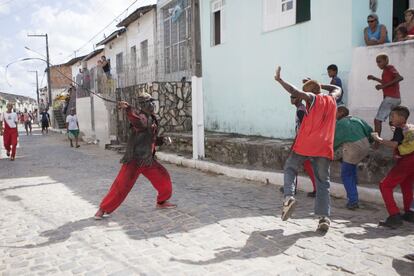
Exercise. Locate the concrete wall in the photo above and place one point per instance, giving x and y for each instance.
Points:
(364, 99)
(241, 95)
(83, 111)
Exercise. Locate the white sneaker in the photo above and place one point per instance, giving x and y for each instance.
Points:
(288, 207)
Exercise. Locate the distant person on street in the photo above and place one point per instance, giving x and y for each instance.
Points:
(27, 121)
(139, 159)
(402, 173)
(354, 135)
(42, 105)
(45, 121)
(389, 84)
(375, 33)
(72, 127)
(314, 141)
(9, 131)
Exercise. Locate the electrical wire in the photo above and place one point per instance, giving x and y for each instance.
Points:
(103, 29)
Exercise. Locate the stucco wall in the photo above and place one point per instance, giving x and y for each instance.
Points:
(364, 98)
(240, 94)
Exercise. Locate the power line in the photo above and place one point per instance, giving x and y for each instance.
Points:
(103, 29)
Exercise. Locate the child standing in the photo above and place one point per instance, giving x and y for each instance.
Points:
(335, 80)
(72, 127)
(10, 132)
(389, 84)
(402, 173)
(354, 135)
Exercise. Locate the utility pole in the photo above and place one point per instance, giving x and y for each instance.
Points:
(49, 88)
(197, 83)
(37, 92)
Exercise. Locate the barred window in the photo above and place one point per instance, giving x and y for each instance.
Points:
(177, 35)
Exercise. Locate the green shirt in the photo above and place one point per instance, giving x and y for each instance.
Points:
(351, 129)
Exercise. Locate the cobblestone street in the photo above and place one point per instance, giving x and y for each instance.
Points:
(222, 226)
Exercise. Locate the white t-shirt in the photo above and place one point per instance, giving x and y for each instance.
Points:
(72, 121)
(9, 118)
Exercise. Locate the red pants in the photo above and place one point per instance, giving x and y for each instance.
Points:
(10, 139)
(307, 166)
(402, 173)
(127, 176)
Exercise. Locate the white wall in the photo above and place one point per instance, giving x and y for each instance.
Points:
(113, 48)
(101, 122)
(363, 98)
(83, 111)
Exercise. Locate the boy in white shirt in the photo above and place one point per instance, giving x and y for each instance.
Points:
(10, 132)
(72, 126)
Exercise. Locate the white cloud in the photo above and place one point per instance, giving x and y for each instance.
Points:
(69, 25)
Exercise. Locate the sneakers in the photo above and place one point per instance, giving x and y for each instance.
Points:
(352, 206)
(288, 207)
(166, 205)
(324, 224)
(392, 222)
(408, 216)
(311, 194)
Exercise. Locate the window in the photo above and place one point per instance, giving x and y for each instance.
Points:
(120, 63)
(133, 57)
(217, 22)
(283, 13)
(144, 53)
(177, 36)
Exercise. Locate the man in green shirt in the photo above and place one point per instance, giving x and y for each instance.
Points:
(354, 135)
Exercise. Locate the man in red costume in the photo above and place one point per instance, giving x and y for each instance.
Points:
(10, 133)
(139, 159)
(315, 140)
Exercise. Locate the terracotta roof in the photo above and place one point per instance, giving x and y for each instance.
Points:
(135, 15)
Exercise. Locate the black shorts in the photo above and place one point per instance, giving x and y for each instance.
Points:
(45, 125)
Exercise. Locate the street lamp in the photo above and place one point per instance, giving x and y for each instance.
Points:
(47, 62)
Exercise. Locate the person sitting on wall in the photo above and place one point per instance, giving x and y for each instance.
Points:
(375, 33)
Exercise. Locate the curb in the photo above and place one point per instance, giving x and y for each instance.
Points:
(276, 178)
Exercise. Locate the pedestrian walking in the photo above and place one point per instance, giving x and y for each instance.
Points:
(139, 159)
(72, 127)
(45, 121)
(314, 141)
(9, 132)
(27, 121)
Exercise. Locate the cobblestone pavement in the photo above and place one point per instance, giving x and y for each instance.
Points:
(223, 226)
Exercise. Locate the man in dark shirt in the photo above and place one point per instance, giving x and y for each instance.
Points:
(139, 159)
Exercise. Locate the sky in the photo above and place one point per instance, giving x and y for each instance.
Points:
(69, 25)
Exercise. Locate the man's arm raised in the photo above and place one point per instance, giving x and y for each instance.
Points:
(292, 89)
(334, 91)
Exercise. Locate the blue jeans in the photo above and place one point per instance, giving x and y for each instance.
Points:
(321, 168)
(350, 180)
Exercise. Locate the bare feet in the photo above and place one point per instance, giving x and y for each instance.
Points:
(166, 205)
(99, 214)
